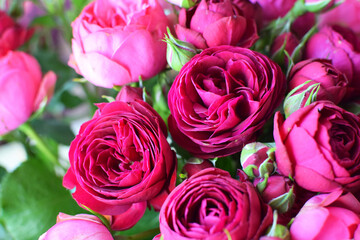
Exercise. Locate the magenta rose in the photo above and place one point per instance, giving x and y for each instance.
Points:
(319, 146)
(81, 226)
(328, 216)
(342, 47)
(346, 14)
(212, 205)
(213, 23)
(221, 99)
(12, 35)
(120, 161)
(333, 83)
(273, 9)
(22, 89)
(284, 42)
(116, 42)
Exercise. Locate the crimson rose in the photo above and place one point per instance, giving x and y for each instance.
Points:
(222, 98)
(121, 159)
(212, 205)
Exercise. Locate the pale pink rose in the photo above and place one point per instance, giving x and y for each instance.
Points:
(116, 42)
(22, 89)
(79, 227)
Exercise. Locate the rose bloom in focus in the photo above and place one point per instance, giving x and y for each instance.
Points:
(117, 42)
(12, 35)
(222, 98)
(212, 205)
(213, 23)
(22, 89)
(79, 227)
(121, 162)
(319, 146)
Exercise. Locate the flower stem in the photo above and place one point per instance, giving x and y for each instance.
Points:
(49, 158)
(139, 236)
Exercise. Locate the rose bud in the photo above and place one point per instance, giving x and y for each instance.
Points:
(341, 46)
(257, 160)
(12, 35)
(214, 23)
(130, 94)
(273, 9)
(331, 158)
(346, 14)
(327, 216)
(116, 42)
(183, 3)
(284, 42)
(194, 165)
(276, 231)
(221, 99)
(318, 5)
(333, 83)
(121, 161)
(22, 90)
(303, 24)
(277, 191)
(178, 52)
(81, 226)
(212, 205)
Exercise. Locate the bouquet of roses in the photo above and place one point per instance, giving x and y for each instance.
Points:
(186, 119)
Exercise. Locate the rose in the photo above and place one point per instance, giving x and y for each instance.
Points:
(303, 24)
(221, 99)
(284, 42)
(340, 45)
(319, 146)
(214, 23)
(117, 42)
(212, 205)
(328, 216)
(22, 89)
(273, 9)
(346, 14)
(12, 35)
(333, 83)
(121, 161)
(81, 226)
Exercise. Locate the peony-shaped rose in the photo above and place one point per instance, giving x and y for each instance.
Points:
(12, 35)
(22, 89)
(116, 42)
(213, 23)
(328, 216)
(333, 83)
(342, 47)
(79, 227)
(222, 98)
(121, 161)
(212, 205)
(319, 146)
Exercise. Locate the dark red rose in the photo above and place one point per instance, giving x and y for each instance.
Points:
(121, 159)
(222, 98)
(212, 205)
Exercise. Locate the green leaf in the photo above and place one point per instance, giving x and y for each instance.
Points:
(55, 129)
(31, 198)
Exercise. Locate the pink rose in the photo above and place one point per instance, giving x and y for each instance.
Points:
(214, 23)
(273, 9)
(212, 205)
(284, 42)
(303, 24)
(80, 227)
(328, 216)
(319, 146)
(22, 89)
(342, 47)
(12, 35)
(121, 161)
(346, 14)
(222, 98)
(333, 83)
(116, 42)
